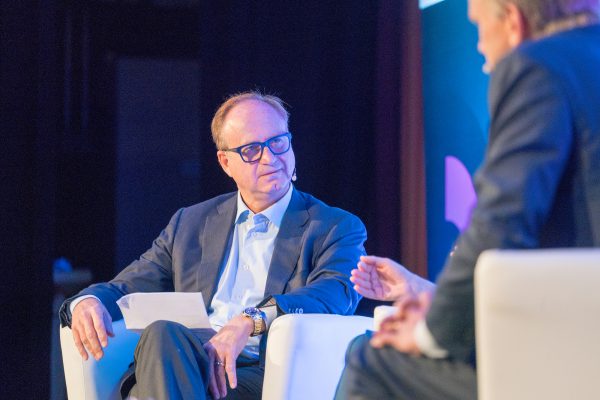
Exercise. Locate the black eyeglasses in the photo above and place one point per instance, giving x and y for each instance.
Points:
(252, 152)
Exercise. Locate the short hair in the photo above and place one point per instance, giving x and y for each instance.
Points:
(549, 16)
(218, 120)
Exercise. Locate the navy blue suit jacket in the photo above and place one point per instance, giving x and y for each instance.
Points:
(316, 248)
(539, 185)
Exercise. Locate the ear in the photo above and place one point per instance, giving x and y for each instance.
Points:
(224, 162)
(516, 25)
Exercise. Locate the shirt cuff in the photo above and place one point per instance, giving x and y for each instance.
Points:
(79, 300)
(270, 310)
(426, 343)
(270, 315)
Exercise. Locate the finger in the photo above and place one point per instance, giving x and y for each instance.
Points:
(221, 382)
(360, 273)
(90, 339)
(212, 368)
(372, 260)
(108, 325)
(388, 333)
(79, 343)
(362, 281)
(99, 327)
(231, 371)
(382, 339)
(367, 284)
(389, 323)
(364, 266)
(365, 292)
(405, 304)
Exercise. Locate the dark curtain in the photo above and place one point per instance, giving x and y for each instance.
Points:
(318, 56)
(30, 106)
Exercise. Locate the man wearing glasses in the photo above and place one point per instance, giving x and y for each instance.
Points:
(265, 250)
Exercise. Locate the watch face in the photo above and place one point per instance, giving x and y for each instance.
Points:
(251, 311)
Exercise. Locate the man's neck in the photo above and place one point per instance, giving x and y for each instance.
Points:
(258, 204)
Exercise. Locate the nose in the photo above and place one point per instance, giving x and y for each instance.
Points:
(267, 157)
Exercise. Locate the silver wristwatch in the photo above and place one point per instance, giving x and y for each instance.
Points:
(257, 317)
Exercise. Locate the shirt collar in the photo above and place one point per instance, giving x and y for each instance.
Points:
(274, 213)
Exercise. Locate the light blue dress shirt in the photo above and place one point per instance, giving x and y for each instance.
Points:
(242, 283)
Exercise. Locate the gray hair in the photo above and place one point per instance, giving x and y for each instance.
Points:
(550, 16)
(218, 120)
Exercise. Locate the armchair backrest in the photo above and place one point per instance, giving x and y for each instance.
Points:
(537, 318)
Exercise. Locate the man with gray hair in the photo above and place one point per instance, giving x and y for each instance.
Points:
(539, 186)
(262, 251)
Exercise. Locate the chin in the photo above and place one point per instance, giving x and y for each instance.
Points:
(278, 186)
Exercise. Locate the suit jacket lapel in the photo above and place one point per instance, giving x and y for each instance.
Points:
(216, 242)
(287, 245)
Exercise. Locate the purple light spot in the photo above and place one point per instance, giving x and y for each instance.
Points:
(460, 194)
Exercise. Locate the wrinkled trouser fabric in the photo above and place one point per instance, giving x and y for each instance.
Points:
(170, 363)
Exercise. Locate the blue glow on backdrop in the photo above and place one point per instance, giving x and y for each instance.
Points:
(456, 123)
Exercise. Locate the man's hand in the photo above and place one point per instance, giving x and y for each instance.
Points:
(91, 324)
(383, 279)
(398, 330)
(223, 350)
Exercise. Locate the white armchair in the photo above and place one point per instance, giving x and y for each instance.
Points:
(97, 380)
(538, 324)
(304, 359)
(305, 354)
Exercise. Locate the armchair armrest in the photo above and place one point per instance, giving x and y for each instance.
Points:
(97, 380)
(305, 354)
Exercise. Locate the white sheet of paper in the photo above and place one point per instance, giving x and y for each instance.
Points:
(141, 309)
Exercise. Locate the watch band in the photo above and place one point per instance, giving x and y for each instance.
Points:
(257, 317)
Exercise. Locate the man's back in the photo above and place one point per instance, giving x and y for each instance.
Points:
(572, 61)
(539, 185)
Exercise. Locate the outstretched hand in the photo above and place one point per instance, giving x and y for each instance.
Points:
(384, 279)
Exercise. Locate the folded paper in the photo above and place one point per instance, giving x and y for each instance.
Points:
(141, 309)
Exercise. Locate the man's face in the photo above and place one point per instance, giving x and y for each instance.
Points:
(493, 29)
(264, 182)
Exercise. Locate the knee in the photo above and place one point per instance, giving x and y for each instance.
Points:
(356, 348)
(159, 335)
(159, 329)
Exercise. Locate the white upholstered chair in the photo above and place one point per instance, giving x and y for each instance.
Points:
(304, 360)
(538, 324)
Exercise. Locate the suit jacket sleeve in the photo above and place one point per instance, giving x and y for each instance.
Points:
(331, 254)
(530, 145)
(152, 272)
